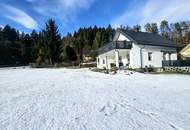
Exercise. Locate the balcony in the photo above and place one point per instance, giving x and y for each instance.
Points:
(115, 45)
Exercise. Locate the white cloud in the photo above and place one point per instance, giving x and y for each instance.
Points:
(29, 0)
(156, 11)
(66, 10)
(1, 26)
(74, 4)
(20, 17)
(171, 10)
(123, 19)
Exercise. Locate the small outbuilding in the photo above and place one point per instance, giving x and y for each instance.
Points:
(185, 52)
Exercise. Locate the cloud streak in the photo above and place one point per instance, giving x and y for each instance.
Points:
(171, 10)
(66, 10)
(155, 11)
(20, 17)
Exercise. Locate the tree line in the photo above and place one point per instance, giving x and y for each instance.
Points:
(48, 47)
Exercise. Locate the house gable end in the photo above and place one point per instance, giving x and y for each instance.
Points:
(121, 36)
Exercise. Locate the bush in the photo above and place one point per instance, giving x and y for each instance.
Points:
(149, 69)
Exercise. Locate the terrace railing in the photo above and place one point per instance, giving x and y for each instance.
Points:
(115, 45)
(175, 63)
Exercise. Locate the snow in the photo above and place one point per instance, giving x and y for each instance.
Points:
(78, 99)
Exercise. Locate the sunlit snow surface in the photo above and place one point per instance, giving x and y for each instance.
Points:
(78, 99)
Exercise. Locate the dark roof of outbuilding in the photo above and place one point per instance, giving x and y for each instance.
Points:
(145, 38)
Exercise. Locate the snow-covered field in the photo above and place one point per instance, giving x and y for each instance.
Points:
(48, 99)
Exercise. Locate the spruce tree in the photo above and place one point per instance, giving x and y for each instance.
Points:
(96, 44)
(53, 41)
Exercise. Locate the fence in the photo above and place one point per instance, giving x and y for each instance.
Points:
(175, 63)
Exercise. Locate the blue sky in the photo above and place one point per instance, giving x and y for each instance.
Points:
(26, 15)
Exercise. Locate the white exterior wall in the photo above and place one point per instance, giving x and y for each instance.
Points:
(124, 53)
(117, 58)
(135, 57)
(100, 63)
(138, 55)
(174, 56)
(111, 58)
(157, 55)
(122, 38)
(156, 61)
(139, 52)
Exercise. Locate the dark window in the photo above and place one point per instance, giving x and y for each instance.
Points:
(169, 56)
(120, 58)
(103, 61)
(149, 56)
(164, 56)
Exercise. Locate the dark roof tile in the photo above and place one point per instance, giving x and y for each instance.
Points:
(145, 38)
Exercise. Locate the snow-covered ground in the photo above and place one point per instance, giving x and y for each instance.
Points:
(48, 99)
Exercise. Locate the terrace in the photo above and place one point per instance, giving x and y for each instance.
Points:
(115, 45)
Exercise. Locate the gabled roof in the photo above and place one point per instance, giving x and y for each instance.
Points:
(144, 38)
(186, 51)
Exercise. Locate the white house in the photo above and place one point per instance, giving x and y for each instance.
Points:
(136, 50)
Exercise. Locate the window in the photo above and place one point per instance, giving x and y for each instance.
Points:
(128, 57)
(149, 56)
(169, 56)
(103, 61)
(164, 56)
(120, 58)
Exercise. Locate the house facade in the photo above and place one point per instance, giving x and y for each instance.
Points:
(136, 50)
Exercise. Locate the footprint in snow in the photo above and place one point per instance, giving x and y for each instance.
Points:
(74, 104)
(102, 109)
(109, 109)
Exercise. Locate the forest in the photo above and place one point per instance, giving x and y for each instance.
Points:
(49, 47)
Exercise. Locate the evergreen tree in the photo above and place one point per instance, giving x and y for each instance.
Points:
(136, 28)
(96, 45)
(124, 28)
(151, 28)
(164, 28)
(47, 47)
(67, 41)
(147, 28)
(53, 41)
(109, 31)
